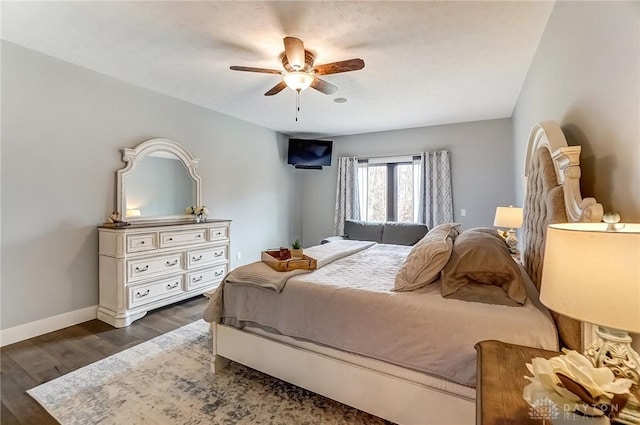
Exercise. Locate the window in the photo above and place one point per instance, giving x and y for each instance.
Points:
(389, 189)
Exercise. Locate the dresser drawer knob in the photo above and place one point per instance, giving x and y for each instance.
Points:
(168, 264)
(218, 254)
(198, 258)
(198, 236)
(218, 233)
(170, 239)
(144, 294)
(141, 242)
(216, 274)
(170, 286)
(194, 280)
(144, 269)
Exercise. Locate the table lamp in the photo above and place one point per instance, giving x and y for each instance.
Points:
(591, 273)
(509, 217)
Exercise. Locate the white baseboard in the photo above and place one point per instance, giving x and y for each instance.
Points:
(50, 324)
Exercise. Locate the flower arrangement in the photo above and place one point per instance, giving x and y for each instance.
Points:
(200, 212)
(571, 383)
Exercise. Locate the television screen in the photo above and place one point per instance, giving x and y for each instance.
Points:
(310, 153)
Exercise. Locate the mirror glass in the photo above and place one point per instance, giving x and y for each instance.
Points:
(158, 183)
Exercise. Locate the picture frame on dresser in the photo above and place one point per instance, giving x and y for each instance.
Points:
(163, 255)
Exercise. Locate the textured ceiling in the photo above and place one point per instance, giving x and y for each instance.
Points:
(427, 63)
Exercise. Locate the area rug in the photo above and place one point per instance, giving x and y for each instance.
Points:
(167, 380)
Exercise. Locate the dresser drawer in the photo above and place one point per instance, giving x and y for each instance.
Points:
(218, 233)
(151, 267)
(142, 294)
(185, 237)
(142, 242)
(206, 277)
(204, 257)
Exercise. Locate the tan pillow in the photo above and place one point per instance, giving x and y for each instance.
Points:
(427, 258)
(480, 257)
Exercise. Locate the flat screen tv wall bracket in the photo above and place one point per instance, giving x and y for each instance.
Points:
(309, 167)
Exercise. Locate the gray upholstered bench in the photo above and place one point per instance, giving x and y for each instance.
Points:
(382, 232)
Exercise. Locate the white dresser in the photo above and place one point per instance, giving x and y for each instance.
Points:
(146, 266)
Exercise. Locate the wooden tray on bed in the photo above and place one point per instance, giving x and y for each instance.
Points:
(272, 258)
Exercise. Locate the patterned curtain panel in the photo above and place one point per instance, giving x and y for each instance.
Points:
(347, 198)
(436, 199)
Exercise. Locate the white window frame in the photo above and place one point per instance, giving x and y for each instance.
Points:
(392, 193)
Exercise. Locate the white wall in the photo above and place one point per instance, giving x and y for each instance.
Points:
(481, 170)
(62, 129)
(586, 77)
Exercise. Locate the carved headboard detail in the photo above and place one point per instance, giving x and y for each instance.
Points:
(552, 172)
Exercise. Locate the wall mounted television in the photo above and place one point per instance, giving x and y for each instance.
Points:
(309, 154)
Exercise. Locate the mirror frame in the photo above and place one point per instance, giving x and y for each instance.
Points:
(133, 156)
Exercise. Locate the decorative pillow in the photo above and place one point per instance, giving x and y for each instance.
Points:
(481, 258)
(427, 258)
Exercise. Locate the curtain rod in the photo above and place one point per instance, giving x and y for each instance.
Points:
(387, 156)
(396, 155)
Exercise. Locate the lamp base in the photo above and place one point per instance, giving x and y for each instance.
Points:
(614, 351)
(512, 241)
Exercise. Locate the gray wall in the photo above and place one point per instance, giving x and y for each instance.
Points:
(62, 128)
(586, 77)
(481, 168)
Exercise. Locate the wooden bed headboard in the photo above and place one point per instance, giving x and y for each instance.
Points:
(552, 172)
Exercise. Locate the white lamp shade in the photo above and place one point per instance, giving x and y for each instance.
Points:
(298, 80)
(592, 274)
(510, 217)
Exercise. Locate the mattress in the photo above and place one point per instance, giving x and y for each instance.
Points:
(348, 305)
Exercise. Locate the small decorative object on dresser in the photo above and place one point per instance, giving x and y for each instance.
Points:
(114, 220)
(201, 212)
(296, 249)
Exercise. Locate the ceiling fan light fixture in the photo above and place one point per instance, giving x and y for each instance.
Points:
(298, 80)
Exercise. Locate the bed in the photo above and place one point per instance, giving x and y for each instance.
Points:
(298, 332)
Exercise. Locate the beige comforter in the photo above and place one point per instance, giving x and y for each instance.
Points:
(348, 304)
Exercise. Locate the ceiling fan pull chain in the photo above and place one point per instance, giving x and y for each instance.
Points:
(297, 103)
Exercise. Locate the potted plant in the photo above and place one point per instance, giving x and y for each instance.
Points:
(296, 249)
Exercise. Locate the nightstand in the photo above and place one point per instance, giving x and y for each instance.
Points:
(501, 371)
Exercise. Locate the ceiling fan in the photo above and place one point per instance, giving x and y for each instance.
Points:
(299, 72)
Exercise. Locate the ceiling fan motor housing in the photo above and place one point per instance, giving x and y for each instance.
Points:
(309, 58)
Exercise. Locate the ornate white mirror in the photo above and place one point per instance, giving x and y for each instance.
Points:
(158, 182)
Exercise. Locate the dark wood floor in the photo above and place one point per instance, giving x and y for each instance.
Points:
(29, 363)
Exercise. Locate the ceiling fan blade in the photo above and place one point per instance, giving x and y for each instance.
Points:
(323, 87)
(337, 67)
(294, 50)
(250, 69)
(276, 89)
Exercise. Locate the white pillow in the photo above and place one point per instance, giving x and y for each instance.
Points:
(427, 258)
